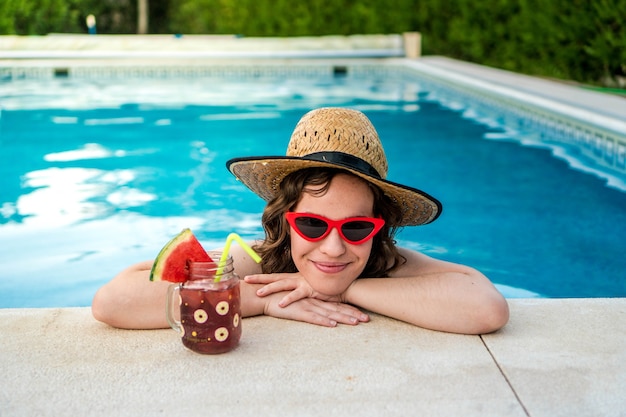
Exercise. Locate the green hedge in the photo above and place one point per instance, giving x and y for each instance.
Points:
(577, 40)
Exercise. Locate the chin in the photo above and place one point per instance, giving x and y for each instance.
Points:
(329, 288)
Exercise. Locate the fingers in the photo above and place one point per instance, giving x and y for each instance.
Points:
(331, 319)
(275, 287)
(293, 296)
(265, 278)
(275, 283)
(299, 302)
(340, 313)
(325, 313)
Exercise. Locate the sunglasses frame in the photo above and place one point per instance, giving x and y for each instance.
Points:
(334, 224)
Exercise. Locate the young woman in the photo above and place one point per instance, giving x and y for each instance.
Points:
(329, 252)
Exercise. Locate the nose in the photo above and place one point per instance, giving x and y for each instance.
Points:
(333, 245)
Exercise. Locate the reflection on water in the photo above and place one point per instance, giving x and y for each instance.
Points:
(88, 151)
(63, 196)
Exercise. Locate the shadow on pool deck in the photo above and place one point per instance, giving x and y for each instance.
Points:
(554, 358)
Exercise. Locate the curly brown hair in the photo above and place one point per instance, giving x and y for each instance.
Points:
(275, 250)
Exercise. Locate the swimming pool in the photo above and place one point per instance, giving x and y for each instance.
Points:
(98, 173)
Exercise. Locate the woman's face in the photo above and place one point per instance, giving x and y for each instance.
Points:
(330, 265)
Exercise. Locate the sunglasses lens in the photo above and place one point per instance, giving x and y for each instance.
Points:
(311, 227)
(357, 230)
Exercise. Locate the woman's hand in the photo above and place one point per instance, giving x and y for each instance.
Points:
(301, 302)
(294, 282)
(314, 311)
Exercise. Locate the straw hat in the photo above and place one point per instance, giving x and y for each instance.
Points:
(335, 138)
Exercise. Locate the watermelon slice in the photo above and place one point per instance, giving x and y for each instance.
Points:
(172, 262)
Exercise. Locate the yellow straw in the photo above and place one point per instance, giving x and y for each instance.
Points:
(222, 261)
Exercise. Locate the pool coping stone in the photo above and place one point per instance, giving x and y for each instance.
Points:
(556, 357)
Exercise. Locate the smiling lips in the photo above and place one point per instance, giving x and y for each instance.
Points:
(330, 267)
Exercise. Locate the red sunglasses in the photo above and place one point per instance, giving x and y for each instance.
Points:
(354, 230)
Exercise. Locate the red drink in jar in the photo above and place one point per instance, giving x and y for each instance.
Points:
(210, 318)
(210, 309)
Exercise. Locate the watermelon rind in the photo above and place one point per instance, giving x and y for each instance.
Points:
(172, 262)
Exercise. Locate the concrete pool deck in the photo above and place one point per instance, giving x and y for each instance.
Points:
(556, 357)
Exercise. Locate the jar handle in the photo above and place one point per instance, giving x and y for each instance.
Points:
(172, 308)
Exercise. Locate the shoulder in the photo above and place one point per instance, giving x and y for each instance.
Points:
(244, 264)
(418, 263)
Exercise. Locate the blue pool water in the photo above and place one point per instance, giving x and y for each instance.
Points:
(96, 175)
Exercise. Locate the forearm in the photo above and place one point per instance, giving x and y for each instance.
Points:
(132, 301)
(135, 303)
(452, 301)
(251, 304)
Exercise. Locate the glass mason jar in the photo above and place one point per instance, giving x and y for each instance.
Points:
(209, 304)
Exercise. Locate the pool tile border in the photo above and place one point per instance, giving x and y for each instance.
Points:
(96, 70)
(596, 137)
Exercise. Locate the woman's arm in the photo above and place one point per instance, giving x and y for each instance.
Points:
(132, 301)
(433, 294)
(424, 291)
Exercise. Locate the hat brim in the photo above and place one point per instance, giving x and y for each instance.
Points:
(263, 175)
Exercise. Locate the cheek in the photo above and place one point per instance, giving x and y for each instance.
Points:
(363, 251)
(299, 246)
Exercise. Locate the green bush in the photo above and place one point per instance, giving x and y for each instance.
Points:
(581, 40)
(41, 17)
(23, 17)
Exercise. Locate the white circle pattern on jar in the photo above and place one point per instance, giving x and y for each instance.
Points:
(200, 316)
(221, 334)
(222, 308)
